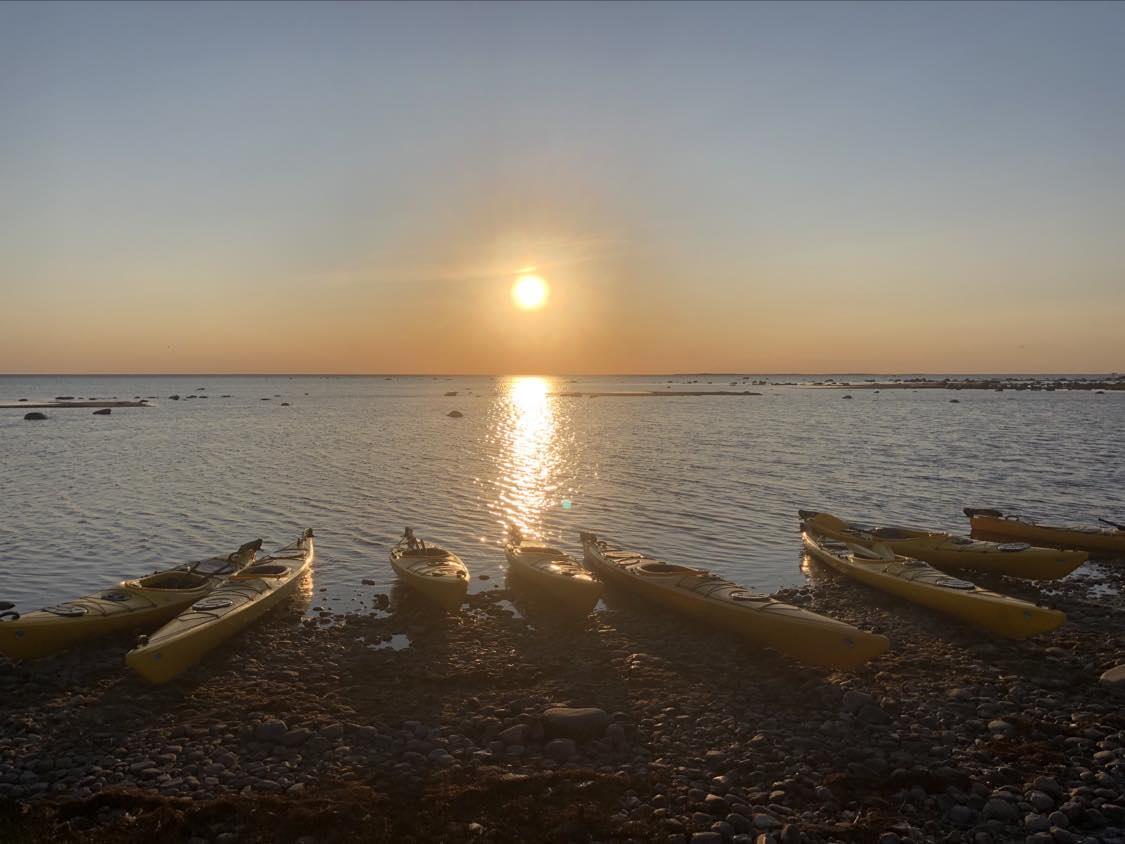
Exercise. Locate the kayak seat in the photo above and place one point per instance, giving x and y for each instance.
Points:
(425, 552)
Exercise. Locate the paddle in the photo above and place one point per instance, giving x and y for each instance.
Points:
(1111, 524)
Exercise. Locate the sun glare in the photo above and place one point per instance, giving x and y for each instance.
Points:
(529, 292)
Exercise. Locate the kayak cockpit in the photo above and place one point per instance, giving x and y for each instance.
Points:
(262, 570)
(172, 581)
(657, 568)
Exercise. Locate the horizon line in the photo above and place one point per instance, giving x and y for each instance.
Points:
(515, 374)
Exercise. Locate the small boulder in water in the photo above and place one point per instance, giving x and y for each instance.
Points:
(455, 414)
(105, 411)
(451, 393)
(175, 397)
(35, 415)
(955, 401)
(846, 397)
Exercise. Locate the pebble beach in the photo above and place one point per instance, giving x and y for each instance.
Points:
(505, 722)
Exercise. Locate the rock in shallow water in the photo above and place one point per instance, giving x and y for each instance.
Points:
(34, 416)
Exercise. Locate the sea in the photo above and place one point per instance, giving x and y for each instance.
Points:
(709, 481)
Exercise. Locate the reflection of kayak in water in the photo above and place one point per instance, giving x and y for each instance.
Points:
(799, 633)
(552, 574)
(235, 605)
(143, 603)
(439, 575)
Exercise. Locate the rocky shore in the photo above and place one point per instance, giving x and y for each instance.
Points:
(508, 724)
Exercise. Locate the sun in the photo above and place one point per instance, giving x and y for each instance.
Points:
(529, 292)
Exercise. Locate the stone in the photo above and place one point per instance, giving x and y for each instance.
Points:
(960, 815)
(999, 810)
(715, 805)
(855, 701)
(1040, 801)
(1034, 822)
(576, 723)
(560, 749)
(1058, 819)
(1113, 679)
(105, 411)
(763, 821)
(271, 731)
(1000, 727)
(174, 397)
(34, 416)
(514, 735)
(295, 738)
(455, 414)
(706, 838)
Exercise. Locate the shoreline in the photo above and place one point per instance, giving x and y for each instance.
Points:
(301, 730)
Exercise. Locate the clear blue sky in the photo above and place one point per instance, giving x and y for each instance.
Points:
(818, 187)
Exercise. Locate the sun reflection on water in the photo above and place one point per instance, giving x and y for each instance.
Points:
(528, 430)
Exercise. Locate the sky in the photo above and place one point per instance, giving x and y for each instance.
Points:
(730, 187)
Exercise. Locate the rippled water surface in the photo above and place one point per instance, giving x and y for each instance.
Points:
(711, 481)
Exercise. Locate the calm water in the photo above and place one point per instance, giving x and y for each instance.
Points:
(710, 481)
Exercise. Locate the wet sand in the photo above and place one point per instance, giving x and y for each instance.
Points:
(309, 731)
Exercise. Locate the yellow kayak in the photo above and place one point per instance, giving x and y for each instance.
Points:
(146, 602)
(1102, 542)
(944, 550)
(799, 633)
(236, 604)
(919, 582)
(552, 573)
(437, 574)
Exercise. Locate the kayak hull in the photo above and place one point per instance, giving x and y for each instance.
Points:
(440, 576)
(947, 551)
(919, 583)
(1098, 542)
(231, 608)
(140, 604)
(801, 634)
(553, 576)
